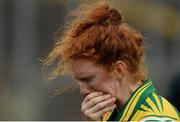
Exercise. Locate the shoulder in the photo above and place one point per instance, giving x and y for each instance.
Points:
(158, 118)
(156, 107)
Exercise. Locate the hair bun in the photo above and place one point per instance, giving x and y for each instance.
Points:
(105, 15)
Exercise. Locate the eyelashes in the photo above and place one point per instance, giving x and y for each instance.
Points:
(86, 80)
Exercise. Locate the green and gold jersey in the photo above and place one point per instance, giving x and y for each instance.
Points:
(144, 105)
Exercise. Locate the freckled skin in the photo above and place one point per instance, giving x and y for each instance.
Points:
(91, 77)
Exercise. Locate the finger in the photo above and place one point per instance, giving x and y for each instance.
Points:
(101, 105)
(90, 96)
(102, 112)
(95, 101)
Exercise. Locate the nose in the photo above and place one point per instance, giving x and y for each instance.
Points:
(84, 89)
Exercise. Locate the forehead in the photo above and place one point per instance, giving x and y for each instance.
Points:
(83, 66)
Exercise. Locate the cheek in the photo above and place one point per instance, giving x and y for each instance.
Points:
(109, 87)
(97, 85)
(105, 86)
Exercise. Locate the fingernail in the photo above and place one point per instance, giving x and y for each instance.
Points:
(113, 98)
(108, 95)
(100, 92)
(114, 106)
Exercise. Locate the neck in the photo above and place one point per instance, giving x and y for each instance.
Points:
(127, 87)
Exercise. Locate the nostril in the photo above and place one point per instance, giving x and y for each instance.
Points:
(84, 91)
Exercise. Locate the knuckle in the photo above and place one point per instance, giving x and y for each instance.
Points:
(110, 100)
(104, 110)
(93, 101)
(107, 96)
(100, 105)
(96, 116)
(86, 113)
(82, 109)
(93, 116)
(88, 98)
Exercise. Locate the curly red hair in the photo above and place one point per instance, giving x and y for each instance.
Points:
(99, 34)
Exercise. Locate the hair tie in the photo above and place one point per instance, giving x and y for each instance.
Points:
(106, 22)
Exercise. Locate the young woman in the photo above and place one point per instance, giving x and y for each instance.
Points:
(105, 56)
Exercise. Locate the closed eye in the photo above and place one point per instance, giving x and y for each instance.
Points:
(87, 80)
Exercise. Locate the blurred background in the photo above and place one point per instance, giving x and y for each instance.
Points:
(27, 29)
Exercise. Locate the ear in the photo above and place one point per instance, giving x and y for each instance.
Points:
(120, 68)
